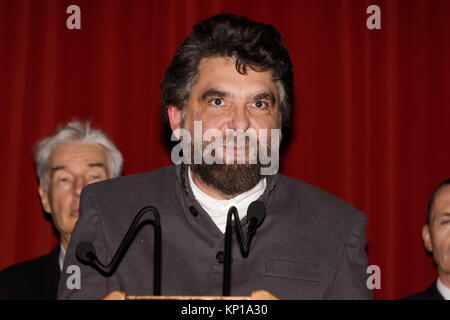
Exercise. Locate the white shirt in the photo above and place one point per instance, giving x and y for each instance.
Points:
(443, 290)
(62, 254)
(218, 209)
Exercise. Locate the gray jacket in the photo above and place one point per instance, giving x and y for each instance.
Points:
(311, 244)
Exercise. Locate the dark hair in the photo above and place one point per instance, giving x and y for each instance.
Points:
(255, 45)
(432, 196)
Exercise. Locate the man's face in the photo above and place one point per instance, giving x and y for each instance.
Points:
(223, 99)
(72, 166)
(436, 236)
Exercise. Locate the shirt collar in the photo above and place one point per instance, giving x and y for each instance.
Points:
(443, 290)
(62, 255)
(211, 202)
(218, 209)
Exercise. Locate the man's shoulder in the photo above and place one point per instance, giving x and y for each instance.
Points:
(309, 196)
(318, 209)
(27, 267)
(130, 193)
(22, 280)
(431, 293)
(155, 179)
(22, 269)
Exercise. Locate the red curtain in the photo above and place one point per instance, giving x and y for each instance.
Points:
(370, 121)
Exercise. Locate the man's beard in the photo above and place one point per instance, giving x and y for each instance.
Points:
(228, 179)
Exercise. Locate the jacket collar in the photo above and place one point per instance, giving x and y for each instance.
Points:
(183, 179)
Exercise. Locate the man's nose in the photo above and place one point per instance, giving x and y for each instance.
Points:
(80, 182)
(240, 118)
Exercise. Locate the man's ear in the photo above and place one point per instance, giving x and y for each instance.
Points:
(426, 236)
(175, 118)
(45, 201)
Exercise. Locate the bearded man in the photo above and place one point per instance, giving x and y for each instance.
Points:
(231, 80)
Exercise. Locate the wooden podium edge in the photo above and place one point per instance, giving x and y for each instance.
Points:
(256, 295)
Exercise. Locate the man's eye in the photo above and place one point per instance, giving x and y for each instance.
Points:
(217, 102)
(260, 104)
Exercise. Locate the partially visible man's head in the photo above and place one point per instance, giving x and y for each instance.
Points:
(230, 74)
(73, 157)
(436, 233)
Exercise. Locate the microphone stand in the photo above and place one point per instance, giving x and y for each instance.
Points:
(245, 247)
(108, 270)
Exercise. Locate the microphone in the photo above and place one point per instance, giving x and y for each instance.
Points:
(86, 252)
(256, 213)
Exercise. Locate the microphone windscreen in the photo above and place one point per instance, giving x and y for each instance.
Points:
(85, 250)
(256, 210)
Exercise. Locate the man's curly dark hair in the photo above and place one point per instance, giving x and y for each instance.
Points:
(254, 45)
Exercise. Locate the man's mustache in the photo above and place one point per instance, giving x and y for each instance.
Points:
(208, 146)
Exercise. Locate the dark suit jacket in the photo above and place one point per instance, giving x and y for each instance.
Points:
(32, 280)
(311, 244)
(432, 293)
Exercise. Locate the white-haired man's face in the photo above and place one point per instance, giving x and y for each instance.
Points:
(72, 166)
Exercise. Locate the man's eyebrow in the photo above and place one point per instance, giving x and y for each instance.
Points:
(213, 93)
(91, 165)
(265, 95)
(438, 216)
(58, 168)
(97, 164)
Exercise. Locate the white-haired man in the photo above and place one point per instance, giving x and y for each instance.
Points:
(76, 155)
